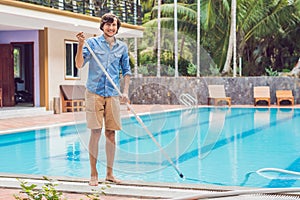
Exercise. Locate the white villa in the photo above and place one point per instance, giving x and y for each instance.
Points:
(38, 44)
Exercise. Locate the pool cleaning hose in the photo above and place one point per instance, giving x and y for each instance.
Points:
(261, 172)
(283, 171)
(133, 112)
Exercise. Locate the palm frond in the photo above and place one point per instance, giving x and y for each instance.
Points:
(250, 12)
(147, 5)
(208, 19)
(183, 12)
(168, 23)
(275, 17)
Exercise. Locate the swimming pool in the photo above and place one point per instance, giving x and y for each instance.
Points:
(213, 145)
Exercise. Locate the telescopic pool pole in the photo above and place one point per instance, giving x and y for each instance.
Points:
(133, 111)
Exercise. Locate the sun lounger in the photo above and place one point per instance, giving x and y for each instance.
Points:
(73, 98)
(262, 93)
(284, 95)
(217, 93)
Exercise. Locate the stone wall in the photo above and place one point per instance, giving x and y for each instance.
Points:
(167, 90)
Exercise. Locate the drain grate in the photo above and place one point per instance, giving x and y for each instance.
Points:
(275, 196)
(257, 194)
(259, 197)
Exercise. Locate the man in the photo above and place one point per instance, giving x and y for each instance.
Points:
(102, 100)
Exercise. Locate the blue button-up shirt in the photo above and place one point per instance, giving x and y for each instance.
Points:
(113, 60)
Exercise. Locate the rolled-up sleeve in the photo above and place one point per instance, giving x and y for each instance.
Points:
(86, 53)
(125, 63)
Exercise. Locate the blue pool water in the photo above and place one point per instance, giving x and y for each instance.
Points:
(222, 146)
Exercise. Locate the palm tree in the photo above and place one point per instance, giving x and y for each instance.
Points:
(183, 20)
(186, 18)
(215, 31)
(257, 22)
(260, 18)
(231, 52)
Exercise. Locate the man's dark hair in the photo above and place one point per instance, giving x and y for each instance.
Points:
(109, 18)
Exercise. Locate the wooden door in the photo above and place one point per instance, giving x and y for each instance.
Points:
(7, 82)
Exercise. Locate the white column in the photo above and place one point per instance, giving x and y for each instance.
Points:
(111, 6)
(135, 57)
(61, 4)
(198, 37)
(240, 66)
(234, 38)
(175, 38)
(158, 38)
(91, 7)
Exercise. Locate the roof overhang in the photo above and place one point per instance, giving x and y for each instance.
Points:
(16, 15)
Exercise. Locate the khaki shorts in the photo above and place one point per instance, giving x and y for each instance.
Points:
(100, 108)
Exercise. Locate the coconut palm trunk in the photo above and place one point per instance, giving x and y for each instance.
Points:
(231, 51)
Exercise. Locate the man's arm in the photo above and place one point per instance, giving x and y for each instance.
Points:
(79, 60)
(126, 87)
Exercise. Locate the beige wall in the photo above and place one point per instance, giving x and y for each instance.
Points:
(56, 61)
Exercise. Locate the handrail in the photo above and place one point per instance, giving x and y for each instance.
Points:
(187, 100)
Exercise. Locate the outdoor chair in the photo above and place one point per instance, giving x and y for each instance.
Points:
(262, 93)
(73, 98)
(217, 93)
(284, 95)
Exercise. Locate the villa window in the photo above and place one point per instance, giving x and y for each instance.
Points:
(71, 71)
(17, 62)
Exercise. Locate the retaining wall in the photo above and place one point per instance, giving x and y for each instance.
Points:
(167, 90)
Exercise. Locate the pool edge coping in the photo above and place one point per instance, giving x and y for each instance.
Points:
(138, 188)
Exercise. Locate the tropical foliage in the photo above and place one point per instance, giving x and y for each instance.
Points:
(267, 33)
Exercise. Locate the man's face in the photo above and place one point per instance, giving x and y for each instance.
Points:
(110, 29)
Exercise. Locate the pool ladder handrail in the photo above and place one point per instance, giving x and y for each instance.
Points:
(187, 100)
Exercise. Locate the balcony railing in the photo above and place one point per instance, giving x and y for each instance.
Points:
(128, 11)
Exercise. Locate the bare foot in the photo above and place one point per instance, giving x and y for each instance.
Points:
(93, 181)
(112, 180)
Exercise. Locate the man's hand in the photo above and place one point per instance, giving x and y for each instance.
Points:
(80, 36)
(79, 57)
(124, 98)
